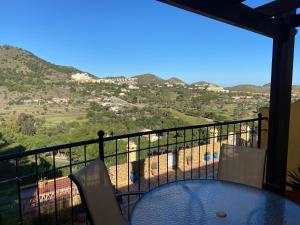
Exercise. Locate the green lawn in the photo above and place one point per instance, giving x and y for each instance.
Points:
(52, 118)
(190, 119)
(54, 114)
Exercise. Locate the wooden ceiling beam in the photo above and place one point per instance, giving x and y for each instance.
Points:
(279, 7)
(231, 12)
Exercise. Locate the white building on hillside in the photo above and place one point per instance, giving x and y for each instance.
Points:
(153, 137)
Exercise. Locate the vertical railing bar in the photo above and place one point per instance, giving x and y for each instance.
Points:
(246, 134)
(221, 141)
(213, 158)
(86, 216)
(72, 205)
(139, 159)
(128, 197)
(184, 149)
(192, 153)
(234, 141)
(168, 157)
(177, 157)
(19, 192)
(206, 152)
(101, 144)
(158, 155)
(227, 136)
(55, 194)
(116, 165)
(38, 188)
(252, 134)
(84, 150)
(259, 130)
(199, 151)
(149, 145)
(241, 142)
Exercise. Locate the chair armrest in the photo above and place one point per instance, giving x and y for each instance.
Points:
(119, 196)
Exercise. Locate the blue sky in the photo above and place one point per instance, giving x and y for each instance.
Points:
(113, 37)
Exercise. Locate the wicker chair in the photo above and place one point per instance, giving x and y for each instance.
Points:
(97, 194)
(242, 165)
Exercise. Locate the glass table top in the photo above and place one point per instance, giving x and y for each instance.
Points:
(213, 202)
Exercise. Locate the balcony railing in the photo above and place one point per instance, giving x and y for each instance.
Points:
(35, 189)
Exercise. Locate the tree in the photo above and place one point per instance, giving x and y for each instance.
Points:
(3, 141)
(12, 125)
(27, 124)
(62, 127)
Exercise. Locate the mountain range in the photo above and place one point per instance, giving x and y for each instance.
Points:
(149, 78)
(20, 69)
(258, 89)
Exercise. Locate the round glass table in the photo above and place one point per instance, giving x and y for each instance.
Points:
(213, 202)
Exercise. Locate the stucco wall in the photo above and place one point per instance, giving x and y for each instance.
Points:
(294, 135)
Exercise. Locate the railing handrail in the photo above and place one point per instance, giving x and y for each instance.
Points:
(11, 156)
(46, 149)
(142, 133)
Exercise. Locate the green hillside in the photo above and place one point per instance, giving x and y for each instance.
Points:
(250, 88)
(20, 70)
(175, 80)
(148, 78)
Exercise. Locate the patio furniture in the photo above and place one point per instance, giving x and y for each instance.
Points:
(213, 202)
(242, 165)
(97, 194)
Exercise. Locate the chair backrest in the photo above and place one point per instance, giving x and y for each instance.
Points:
(242, 165)
(97, 194)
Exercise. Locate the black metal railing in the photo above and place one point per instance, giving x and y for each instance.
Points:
(35, 189)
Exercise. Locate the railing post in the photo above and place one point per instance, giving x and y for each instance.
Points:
(101, 144)
(19, 192)
(259, 130)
